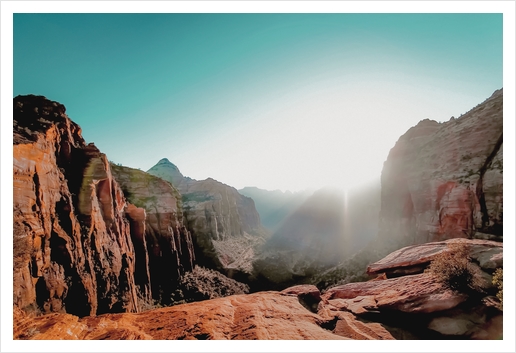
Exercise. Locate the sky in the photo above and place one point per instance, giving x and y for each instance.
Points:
(276, 101)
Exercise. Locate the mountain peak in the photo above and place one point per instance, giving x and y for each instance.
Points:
(167, 170)
(165, 161)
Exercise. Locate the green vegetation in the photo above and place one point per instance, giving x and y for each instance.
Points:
(498, 282)
(198, 196)
(454, 270)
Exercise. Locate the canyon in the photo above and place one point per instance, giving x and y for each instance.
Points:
(226, 226)
(411, 306)
(99, 248)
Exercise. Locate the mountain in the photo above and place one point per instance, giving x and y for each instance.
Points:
(73, 249)
(87, 247)
(164, 240)
(275, 206)
(440, 181)
(445, 180)
(91, 237)
(330, 226)
(225, 224)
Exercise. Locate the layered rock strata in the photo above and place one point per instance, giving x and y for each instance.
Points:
(165, 240)
(445, 180)
(415, 306)
(72, 244)
(225, 225)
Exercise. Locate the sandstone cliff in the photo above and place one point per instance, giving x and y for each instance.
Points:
(410, 306)
(165, 241)
(72, 244)
(225, 225)
(440, 181)
(445, 180)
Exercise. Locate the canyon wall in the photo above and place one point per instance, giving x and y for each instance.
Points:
(72, 244)
(165, 239)
(225, 225)
(445, 180)
(416, 304)
(440, 181)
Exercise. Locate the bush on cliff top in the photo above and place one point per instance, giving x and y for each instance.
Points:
(454, 269)
(498, 282)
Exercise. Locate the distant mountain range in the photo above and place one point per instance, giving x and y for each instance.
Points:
(275, 206)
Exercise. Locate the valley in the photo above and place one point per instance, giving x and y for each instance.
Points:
(106, 251)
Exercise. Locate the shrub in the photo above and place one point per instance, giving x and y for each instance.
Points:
(454, 270)
(498, 282)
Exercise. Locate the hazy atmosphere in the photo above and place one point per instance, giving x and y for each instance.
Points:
(276, 101)
(275, 171)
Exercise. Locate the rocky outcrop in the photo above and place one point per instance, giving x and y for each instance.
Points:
(225, 225)
(431, 305)
(440, 181)
(445, 180)
(417, 306)
(72, 244)
(264, 316)
(167, 244)
(414, 259)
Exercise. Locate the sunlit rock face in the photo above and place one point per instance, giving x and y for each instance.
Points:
(420, 304)
(225, 225)
(72, 245)
(413, 306)
(165, 241)
(445, 180)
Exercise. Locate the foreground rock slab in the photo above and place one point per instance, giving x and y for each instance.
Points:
(420, 293)
(263, 316)
(414, 258)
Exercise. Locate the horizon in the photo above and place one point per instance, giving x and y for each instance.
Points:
(276, 101)
(442, 110)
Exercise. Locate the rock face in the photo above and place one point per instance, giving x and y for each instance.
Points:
(72, 244)
(264, 316)
(225, 225)
(418, 295)
(413, 259)
(445, 180)
(416, 306)
(166, 246)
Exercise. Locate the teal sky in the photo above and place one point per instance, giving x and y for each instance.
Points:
(277, 101)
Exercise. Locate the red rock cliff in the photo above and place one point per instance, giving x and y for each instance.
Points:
(72, 245)
(225, 225)
(445, 180)
(165, 240)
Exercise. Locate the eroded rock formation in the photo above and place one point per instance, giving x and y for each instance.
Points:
(72, 244)
(225, 225)
(440, 181)
(445, 180)
(416, 306)
(166, 242)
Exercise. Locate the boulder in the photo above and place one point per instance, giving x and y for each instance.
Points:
(415, 258)
(420, 293)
